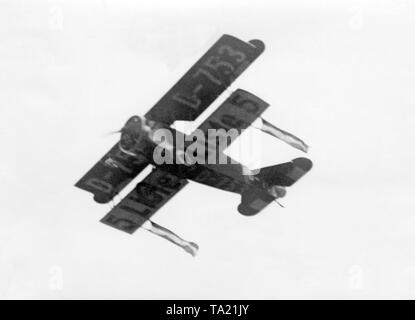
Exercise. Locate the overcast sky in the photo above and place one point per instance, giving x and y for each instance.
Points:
(340, 75)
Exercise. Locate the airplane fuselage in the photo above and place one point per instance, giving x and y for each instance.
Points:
(138, 136)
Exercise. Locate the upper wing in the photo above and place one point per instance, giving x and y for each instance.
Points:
(146, 198)
(206, 80)
(111, 174)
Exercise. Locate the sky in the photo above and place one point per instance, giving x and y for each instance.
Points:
(338, 74)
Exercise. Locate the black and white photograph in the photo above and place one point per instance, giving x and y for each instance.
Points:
(207, 151)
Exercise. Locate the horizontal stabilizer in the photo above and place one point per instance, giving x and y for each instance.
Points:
(254, 201)
(285, 174)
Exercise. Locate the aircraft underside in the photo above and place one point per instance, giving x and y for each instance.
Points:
(186, 101)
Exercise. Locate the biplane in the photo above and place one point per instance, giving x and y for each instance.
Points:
(188, 98)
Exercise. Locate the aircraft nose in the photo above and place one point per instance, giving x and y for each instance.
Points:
(132, 126)
(132, 122)
(130, 133)
(127, 140)
(134, 119)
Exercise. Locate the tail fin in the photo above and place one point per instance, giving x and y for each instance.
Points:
(285, 174)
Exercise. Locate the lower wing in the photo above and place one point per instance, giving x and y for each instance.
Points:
(144, 201)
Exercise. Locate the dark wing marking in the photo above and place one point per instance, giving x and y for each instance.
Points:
(146, 198)
(111, 174)
(206, 80)
(239, 111)
(202, 174)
